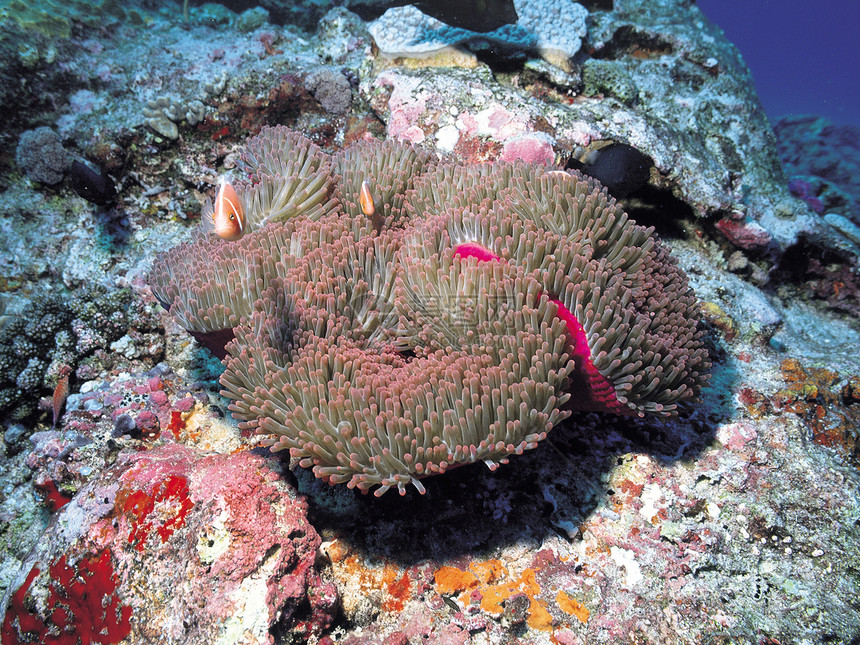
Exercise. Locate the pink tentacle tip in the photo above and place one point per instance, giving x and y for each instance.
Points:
(475, 250)
(592, 391)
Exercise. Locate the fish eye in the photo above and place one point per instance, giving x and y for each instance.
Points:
(232, 216)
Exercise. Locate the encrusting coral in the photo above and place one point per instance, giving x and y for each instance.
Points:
(54, 331)
(482, 305)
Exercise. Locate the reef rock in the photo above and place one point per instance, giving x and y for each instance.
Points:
(823, 163)
(656, 76)
(733, 522)
(41, 156)
(552, 28)
(179, 546)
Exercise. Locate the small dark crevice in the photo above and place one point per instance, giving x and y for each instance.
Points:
(658, 207)
(794, 264)
(597, 5)
(502, 61)
(627, 41)
(272, 550)
(826, 276)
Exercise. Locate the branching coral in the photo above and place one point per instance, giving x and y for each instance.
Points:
(52, 332)
(489, 302)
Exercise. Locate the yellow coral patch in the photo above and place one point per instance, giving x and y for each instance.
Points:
(489, 584)
(489, 571)
(572, 606)
(451, 580)
(538, 617)
(494, 595)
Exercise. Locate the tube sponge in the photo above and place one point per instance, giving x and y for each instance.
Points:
(493, 300)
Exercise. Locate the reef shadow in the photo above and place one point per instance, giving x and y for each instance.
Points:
(551, 490)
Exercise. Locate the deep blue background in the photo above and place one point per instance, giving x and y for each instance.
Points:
(804, 56)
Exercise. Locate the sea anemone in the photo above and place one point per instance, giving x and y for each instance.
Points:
(488, 302)
(288, 176)
(389, 169)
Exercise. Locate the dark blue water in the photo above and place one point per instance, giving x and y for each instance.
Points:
(804, 56)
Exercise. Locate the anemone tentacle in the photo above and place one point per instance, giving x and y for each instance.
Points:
(486, 303)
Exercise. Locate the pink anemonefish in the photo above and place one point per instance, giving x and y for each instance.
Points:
(226, 220)
(366, 200)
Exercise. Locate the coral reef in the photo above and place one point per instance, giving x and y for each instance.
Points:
(446, 331)
(822, 160)
(83, 605)
(733, 522)
(54, 331)
(659, 78)
(164, 546)
(41, 156)
(572, 553)
(252, 19)
(331, 89)
(608, 78)
(55, 19)
(163, 114)
(554, 29)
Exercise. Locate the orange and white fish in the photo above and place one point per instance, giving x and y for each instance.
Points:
(226, 219)
(365, 200)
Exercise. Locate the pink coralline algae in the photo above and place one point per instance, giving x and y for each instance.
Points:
(748, 236)
(482, 305)
(533, 148)
(174, 545)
